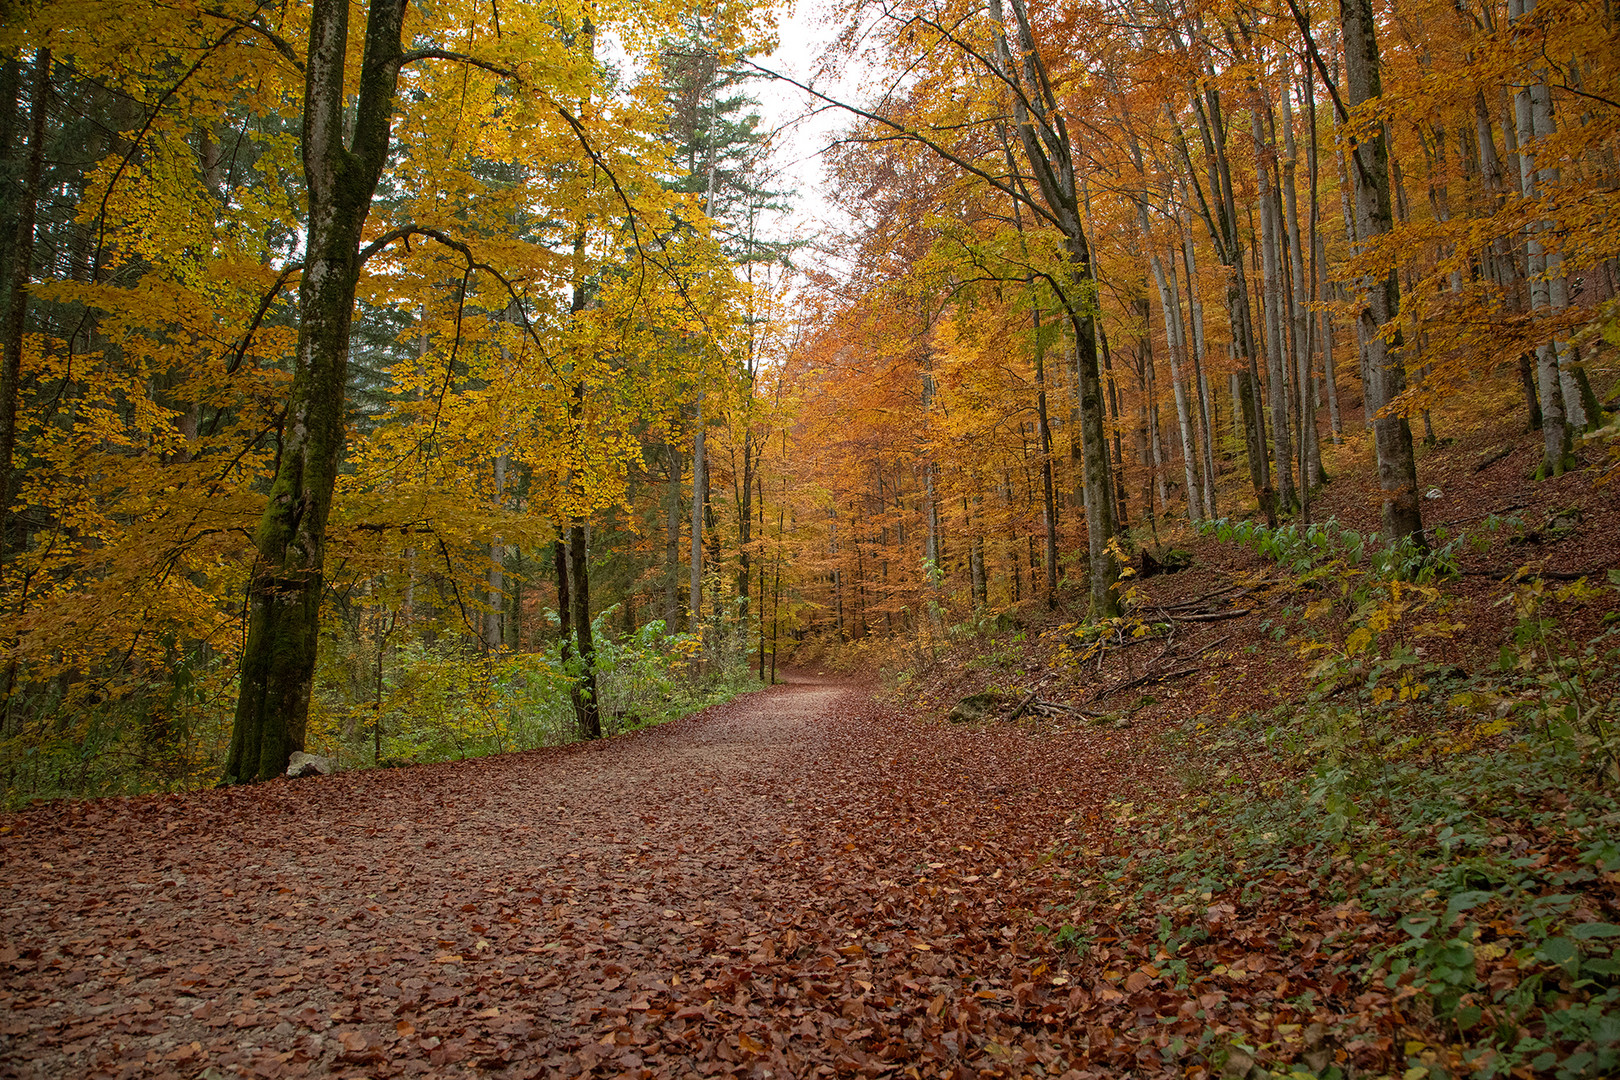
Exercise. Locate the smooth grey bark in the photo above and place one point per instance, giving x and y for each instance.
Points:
(1043, 424)
(700, 498)
(1272, 293)
(1528, 110)
(1325, 323)
(1562, 410)
(1150, 397)
(1501, 266)
(672, 539)
(1044, 432)
(496, 580)
(1369, 385)
(1219, 213)
(1243, 401)
(1176, 345)
(1175, 339)
(1397, 467)
(1044, 136)
(1310, 453)
(932, 571)
(284, 594)
(1206, 424)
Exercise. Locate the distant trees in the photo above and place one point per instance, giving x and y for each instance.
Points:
(1273, 177)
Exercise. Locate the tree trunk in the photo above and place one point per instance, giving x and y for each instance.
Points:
(933, 572)
(1049, 494)
(20, 263)
(1243, 391)
(1397, 468)
(1533, 113)
(672, 541)
(1175, 344)
(1272, 288)
(585, 703)
(745, 525)
(496, 583)
(700, 498)
(284, 595)
(1150, 397)
(1206, 424)
(1221, 221)
(978, 588)
(1325, 322)
(1121, 514)
(1045, 140)
(565, 603)
(1310, 454)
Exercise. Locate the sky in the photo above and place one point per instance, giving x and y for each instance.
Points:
(802, 128)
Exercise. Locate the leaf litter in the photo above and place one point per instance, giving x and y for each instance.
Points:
(801, 882)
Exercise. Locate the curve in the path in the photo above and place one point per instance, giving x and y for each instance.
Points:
(798, 883)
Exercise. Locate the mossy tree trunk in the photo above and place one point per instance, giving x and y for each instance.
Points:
(18, 263)
(284, 595)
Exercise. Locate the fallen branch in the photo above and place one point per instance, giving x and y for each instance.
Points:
(1150, 677)
(1212, 645)
(1183, 605)
(1555, 575)
(1214, 616)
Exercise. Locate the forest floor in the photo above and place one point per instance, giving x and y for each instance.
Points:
(1232, 871)
(800, 881)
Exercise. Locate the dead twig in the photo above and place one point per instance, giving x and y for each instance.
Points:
(1214, 616)
(1184, 605)
(1147, 678)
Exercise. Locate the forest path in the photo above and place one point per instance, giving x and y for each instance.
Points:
(801, 881)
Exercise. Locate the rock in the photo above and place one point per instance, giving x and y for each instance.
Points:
(1239, 1063)
(975, 706)
(302, 764)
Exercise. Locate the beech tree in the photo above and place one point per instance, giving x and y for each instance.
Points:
(1378, 323)
(284, 596)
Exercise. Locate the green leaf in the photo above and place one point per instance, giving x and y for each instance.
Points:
(1558, 950)
(1464, 901)
(1588, 931)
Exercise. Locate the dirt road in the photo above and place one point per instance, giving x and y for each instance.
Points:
(799, 883)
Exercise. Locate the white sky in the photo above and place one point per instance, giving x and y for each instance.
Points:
(803, 127)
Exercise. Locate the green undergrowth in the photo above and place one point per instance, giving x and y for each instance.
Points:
(449, 706)
(378, 703)
(1476, 892)
(1432, 854)
(1310, 548)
